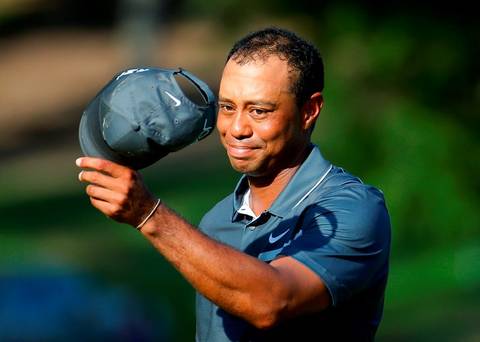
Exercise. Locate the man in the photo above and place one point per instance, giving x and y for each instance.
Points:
(300, 249)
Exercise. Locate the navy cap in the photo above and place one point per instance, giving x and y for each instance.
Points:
(142, 114)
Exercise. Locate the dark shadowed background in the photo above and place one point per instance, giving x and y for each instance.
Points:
(402, 112)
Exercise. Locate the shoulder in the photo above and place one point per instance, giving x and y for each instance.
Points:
(354, 208)
(342, 188)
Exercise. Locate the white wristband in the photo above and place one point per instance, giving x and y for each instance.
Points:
(149, 215)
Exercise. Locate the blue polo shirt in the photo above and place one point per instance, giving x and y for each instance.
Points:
(329, 221)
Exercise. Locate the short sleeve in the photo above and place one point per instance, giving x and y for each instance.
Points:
(345, 239)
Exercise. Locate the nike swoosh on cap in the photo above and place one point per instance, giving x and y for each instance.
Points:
(177, 101)
(273, 239)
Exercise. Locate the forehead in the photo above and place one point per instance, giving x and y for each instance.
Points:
(271, 75)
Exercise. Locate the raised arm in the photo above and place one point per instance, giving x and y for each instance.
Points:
(262, 294)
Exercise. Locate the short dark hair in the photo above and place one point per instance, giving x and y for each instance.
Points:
(300, 55)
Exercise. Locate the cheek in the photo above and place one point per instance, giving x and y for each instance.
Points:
(221, 125)
(274, 134)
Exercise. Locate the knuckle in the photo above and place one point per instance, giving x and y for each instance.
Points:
(112, 213)
(116, 211)
(90, 190)
(92, 176)
(129, 176)
(129, 188)
(122, 201)
(101, 164)
(122, 190)
(129, 182)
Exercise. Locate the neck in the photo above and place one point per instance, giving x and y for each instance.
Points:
(265, 189)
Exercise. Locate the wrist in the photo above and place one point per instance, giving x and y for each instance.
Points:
(149, 214)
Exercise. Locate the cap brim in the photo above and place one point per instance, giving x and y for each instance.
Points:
(93, 144)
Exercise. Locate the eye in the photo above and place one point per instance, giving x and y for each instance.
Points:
(226, 107)
(259, 111)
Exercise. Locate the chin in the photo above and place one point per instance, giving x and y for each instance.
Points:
(239, 167)
(242, 166)
(247, 168)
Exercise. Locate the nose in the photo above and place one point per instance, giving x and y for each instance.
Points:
(240, 126)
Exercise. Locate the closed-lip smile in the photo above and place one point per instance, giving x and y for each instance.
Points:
(239, 151)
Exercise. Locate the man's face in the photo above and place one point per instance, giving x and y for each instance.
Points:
(259, 122)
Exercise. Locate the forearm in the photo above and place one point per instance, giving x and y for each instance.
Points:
(235, 281)
(238, 283)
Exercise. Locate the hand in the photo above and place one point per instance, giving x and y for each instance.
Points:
(116, 190)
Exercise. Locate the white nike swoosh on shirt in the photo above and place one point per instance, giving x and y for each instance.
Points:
(273, 239)
(177, 101)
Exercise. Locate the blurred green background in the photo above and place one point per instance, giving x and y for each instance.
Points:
(402, 112)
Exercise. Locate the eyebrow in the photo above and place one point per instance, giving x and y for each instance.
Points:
(223, 99)
(256, 103)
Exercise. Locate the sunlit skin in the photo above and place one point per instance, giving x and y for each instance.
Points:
(261, 127)
(266, 137)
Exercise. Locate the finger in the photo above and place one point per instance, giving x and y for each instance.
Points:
(104, 194)
(103, 165)
(100, 179)
(105, 207)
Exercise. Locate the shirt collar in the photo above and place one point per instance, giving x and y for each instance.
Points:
(307, 178)
(245, 209)
(238, 194)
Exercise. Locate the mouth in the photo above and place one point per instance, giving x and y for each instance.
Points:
(240, 151)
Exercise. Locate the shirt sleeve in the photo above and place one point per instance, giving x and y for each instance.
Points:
(345, 239)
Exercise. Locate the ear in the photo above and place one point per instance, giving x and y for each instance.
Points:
(311, 110)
